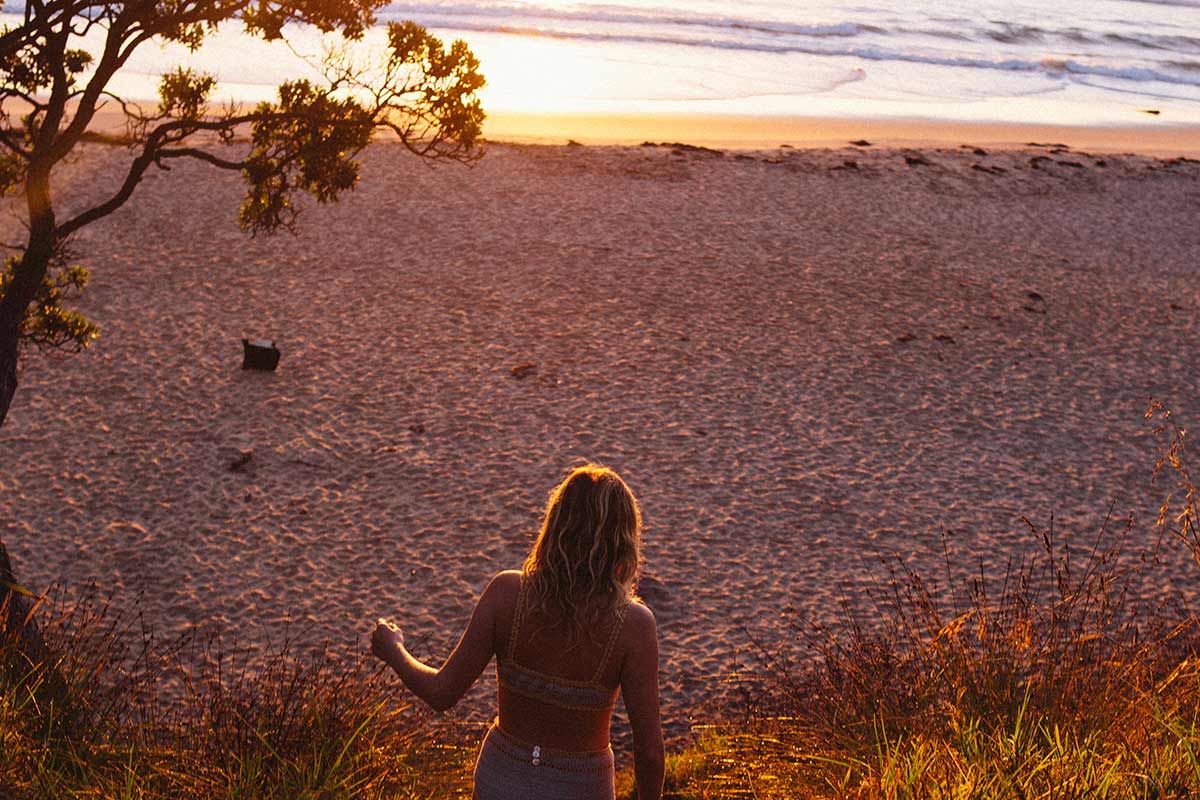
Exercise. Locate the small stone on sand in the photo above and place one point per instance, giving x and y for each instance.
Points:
(239, 463)
(523, 370)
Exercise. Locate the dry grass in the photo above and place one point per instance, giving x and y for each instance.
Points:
(92, 723)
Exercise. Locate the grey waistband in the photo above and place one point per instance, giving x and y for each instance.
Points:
(536, 755)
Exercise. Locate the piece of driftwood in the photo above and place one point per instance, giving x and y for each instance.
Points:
(260, 354)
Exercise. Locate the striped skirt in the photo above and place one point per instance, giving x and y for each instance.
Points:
(509, 769)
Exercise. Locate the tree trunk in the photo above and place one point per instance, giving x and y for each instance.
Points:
(8, 379)
(16, 616)
(26, 280)
(25, 660)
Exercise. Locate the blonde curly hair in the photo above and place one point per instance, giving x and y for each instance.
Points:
(589, 547)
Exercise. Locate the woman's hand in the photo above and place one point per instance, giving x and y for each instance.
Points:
(385, 640)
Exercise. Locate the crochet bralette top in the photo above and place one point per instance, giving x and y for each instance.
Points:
(576, 695)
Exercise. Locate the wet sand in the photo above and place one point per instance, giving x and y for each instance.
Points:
(802, 360)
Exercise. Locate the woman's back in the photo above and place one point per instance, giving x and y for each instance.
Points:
(554, 686)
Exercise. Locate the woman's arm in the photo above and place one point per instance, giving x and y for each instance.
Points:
(639, 687)
(442, 688)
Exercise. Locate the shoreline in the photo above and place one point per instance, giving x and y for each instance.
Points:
(752, 133)
(765, 133)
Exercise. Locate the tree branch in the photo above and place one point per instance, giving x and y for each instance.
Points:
(55, 107)
(202, 155)
(154, 149)
(9, 140)
(110, 61)
(136, 170)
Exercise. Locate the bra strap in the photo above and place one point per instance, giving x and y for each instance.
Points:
(518, 615)
(618, 623)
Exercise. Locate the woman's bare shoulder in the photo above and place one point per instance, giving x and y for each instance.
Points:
(502, 590)
(640, 620)
(508, 577)
(640, 659)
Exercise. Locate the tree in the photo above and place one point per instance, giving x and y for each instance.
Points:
(304, 142)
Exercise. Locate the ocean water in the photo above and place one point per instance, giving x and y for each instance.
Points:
(1070, 61)
(1083, 61)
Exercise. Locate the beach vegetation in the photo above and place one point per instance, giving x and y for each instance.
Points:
(48, 323)
(110, 712)
(58, 69)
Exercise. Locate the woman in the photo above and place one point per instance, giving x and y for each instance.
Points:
(568, 634)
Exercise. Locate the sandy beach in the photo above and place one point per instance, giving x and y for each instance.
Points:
(801, 360)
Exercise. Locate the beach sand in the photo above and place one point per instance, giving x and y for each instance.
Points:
(805, 362)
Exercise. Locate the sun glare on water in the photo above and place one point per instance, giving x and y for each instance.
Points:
(524, 73)
(547, 75)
